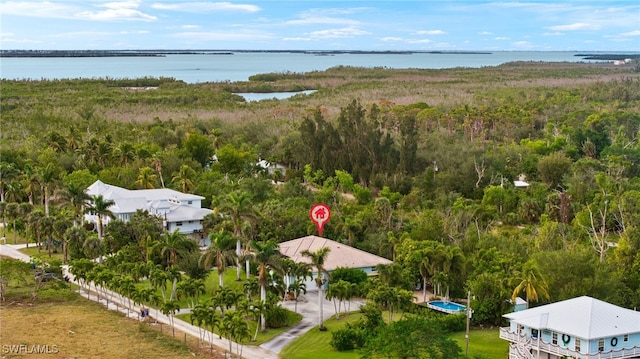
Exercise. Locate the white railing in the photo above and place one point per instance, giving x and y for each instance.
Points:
(625, 353)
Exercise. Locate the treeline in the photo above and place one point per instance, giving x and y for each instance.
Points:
(418, 183)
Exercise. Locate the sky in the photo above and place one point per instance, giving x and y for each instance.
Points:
(586, 25)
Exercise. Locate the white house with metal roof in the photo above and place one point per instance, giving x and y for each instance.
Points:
(178, 210)
(340, 255)
(581, 328)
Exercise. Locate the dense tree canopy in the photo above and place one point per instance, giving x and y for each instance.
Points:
(416, 165)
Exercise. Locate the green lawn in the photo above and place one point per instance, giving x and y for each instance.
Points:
(270, 333)
(315, 344)
(43, 254)
(483, 344)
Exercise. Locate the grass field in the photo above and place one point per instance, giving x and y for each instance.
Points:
(315, 344)
(78, 328)
(43, 254)
(269, 334)
(483, 343)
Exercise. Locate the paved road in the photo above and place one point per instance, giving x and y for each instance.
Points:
(307, 306)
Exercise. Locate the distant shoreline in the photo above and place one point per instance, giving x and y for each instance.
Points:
(610, 57)
(162, 53)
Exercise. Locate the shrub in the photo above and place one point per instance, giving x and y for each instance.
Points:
(347, 338)
(277, 317)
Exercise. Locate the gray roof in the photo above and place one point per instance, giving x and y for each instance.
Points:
(582, 317)
(186, 213)
(340, 255)
(114, 192)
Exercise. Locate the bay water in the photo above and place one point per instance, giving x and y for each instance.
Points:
(238, 66)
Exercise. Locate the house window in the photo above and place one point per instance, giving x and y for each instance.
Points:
(578, 345)
(178, 224)
(600, 345)
(534, 333)
(554, 338)
(189, 202)
(625, 338)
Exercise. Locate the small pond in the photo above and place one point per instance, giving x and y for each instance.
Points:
(255, 96)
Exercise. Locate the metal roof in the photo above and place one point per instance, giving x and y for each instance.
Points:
(582, 317)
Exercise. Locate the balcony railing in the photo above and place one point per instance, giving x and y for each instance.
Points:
(625, 353)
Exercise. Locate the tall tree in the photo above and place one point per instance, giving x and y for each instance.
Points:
(220, 251)
(173, 244)
(147, 179)
(99, 207)
(267, 256)
(74, 194)
(317, 259)
(184, 178)
(530, 281)
(239, 208)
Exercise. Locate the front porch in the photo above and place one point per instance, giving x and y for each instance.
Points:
(539, 346)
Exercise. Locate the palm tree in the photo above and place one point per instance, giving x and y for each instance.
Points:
(317, 260)
(48, 176)
(36, 224)
(532, 282)
(184, 178)
(92, 247)
(24, 210)
(74, 195)
(11, 212)
(220, 251)
(100, 207)
(267, 256)
(74, 237)
(147, 179)
(452, 264)
(157, 163)
(174, 244)
(238, 206)
(3, 217)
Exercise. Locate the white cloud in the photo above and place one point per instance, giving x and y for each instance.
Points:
(631, 33)
(430, 32)
(523, 45)
(346, 32)
(189, 27)
(322, 20)
(501, 38)
(121, 5)
(221, 36)
(203, 6)
(392, 38)
(140, 32)
(43, 9)
(484, 33)
(575, 26)
(553, 33)
(113, 14)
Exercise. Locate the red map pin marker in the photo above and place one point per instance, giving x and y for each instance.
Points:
(320, 214)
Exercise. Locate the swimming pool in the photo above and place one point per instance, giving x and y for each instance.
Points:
(446, 307)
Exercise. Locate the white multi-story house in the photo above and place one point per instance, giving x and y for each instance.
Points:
(178, 210)
(581, 328)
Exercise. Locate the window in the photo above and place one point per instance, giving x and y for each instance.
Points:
(189, 202)
(578, 345)
(178, 224)
(534, 333)
(600, 345)
(554, 338)
(625, 338)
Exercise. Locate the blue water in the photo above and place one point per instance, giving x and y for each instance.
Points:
(240, 65)
(448, 305)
